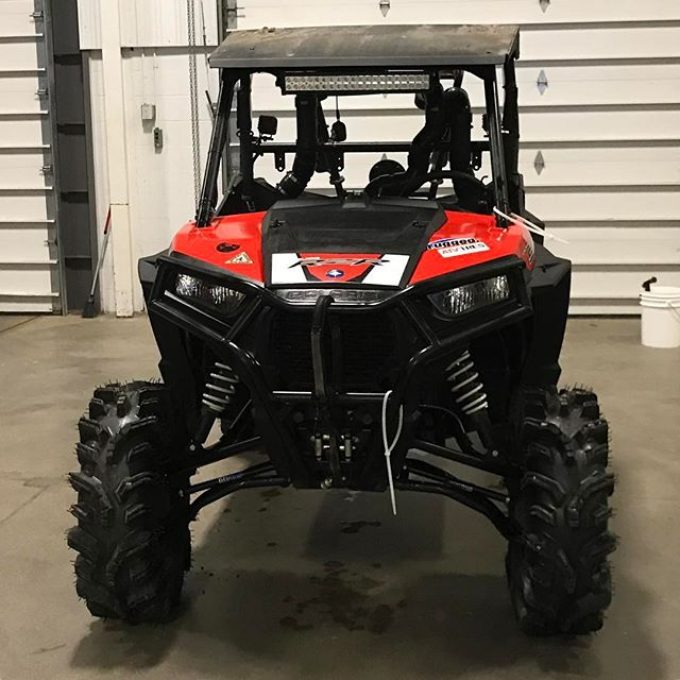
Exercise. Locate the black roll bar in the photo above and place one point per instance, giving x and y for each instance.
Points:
(496, 139)
(218, 139)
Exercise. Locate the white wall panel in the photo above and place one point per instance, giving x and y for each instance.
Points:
(604, 245)
(259, 13)
(20, 206)
(613, 125)
(574, 167)
(604, 205)
(23, 169)
(29, 280)
(16, 18)
(161, 182)
(610, 43)
(27, 272)
(611, 284)
(20, 93)
(149, 23)
(27, 244)
(18, 54)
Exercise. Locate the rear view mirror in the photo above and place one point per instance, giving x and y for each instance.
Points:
(267, 126)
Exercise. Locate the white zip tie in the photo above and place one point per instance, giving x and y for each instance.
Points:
(530, 226)
(390, 447)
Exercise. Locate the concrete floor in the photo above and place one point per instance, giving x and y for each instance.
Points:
(314, 585)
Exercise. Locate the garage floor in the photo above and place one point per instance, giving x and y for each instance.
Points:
(328, 585)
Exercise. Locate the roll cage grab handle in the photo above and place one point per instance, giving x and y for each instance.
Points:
(504, 167)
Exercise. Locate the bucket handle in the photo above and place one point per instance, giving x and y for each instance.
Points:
(675, 310)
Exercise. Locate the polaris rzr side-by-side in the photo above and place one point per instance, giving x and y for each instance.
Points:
(359, 337)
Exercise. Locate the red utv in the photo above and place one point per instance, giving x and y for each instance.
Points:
(358, 338)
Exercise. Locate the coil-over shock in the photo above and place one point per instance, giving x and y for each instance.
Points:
(469, 396)
(218, 394)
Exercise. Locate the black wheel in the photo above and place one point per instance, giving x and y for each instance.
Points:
(132, 536)
(557, 567)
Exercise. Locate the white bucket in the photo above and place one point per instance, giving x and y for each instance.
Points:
(660, 316)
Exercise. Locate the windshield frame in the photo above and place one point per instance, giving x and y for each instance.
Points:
(236, 84)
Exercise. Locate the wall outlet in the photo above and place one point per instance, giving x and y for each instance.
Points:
(157, 138)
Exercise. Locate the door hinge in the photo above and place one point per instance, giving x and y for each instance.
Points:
(38, 14)
(41, 92)
(47, 169)
(384, 6)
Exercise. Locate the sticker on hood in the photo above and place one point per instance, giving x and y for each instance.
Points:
(453, 247)
(368, 268)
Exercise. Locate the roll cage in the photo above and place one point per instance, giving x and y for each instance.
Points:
(439, 52)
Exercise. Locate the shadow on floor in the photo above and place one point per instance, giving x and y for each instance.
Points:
(328, 586)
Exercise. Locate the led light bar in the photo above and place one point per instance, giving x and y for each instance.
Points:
(357, 82)
(345, 296)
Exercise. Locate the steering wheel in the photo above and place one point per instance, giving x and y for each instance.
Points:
(375, 185)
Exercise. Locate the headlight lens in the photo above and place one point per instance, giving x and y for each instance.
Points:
(471, 296)
(223, 299)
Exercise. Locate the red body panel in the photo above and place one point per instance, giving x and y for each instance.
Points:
(234, 243)
(501, 242)
(243, 231)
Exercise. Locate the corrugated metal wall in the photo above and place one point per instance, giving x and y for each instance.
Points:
(29, 274)
(600, 103)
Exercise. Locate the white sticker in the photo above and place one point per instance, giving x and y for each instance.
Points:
(453, 247)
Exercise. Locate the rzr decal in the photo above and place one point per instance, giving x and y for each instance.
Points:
(368, 268)
(453, 247)
(323, 261)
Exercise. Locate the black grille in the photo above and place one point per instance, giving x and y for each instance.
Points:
(362, 351)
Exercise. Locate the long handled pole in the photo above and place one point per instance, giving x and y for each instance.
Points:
(88, 309)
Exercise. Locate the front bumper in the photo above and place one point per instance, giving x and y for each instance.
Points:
(398, 344)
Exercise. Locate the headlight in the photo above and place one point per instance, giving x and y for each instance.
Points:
(220, 298)
(471, 296)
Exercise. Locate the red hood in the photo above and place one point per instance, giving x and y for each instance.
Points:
(235, 243)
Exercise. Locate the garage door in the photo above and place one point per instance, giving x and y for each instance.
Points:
(29, 280)
(600, 104)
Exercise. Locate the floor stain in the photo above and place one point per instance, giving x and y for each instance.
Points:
(380, 619)
(356, 527)
(344, 597)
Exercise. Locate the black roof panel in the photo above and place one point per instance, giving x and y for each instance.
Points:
(387, 45)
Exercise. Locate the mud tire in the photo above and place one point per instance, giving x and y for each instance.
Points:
(557, 566)
(132, 538)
